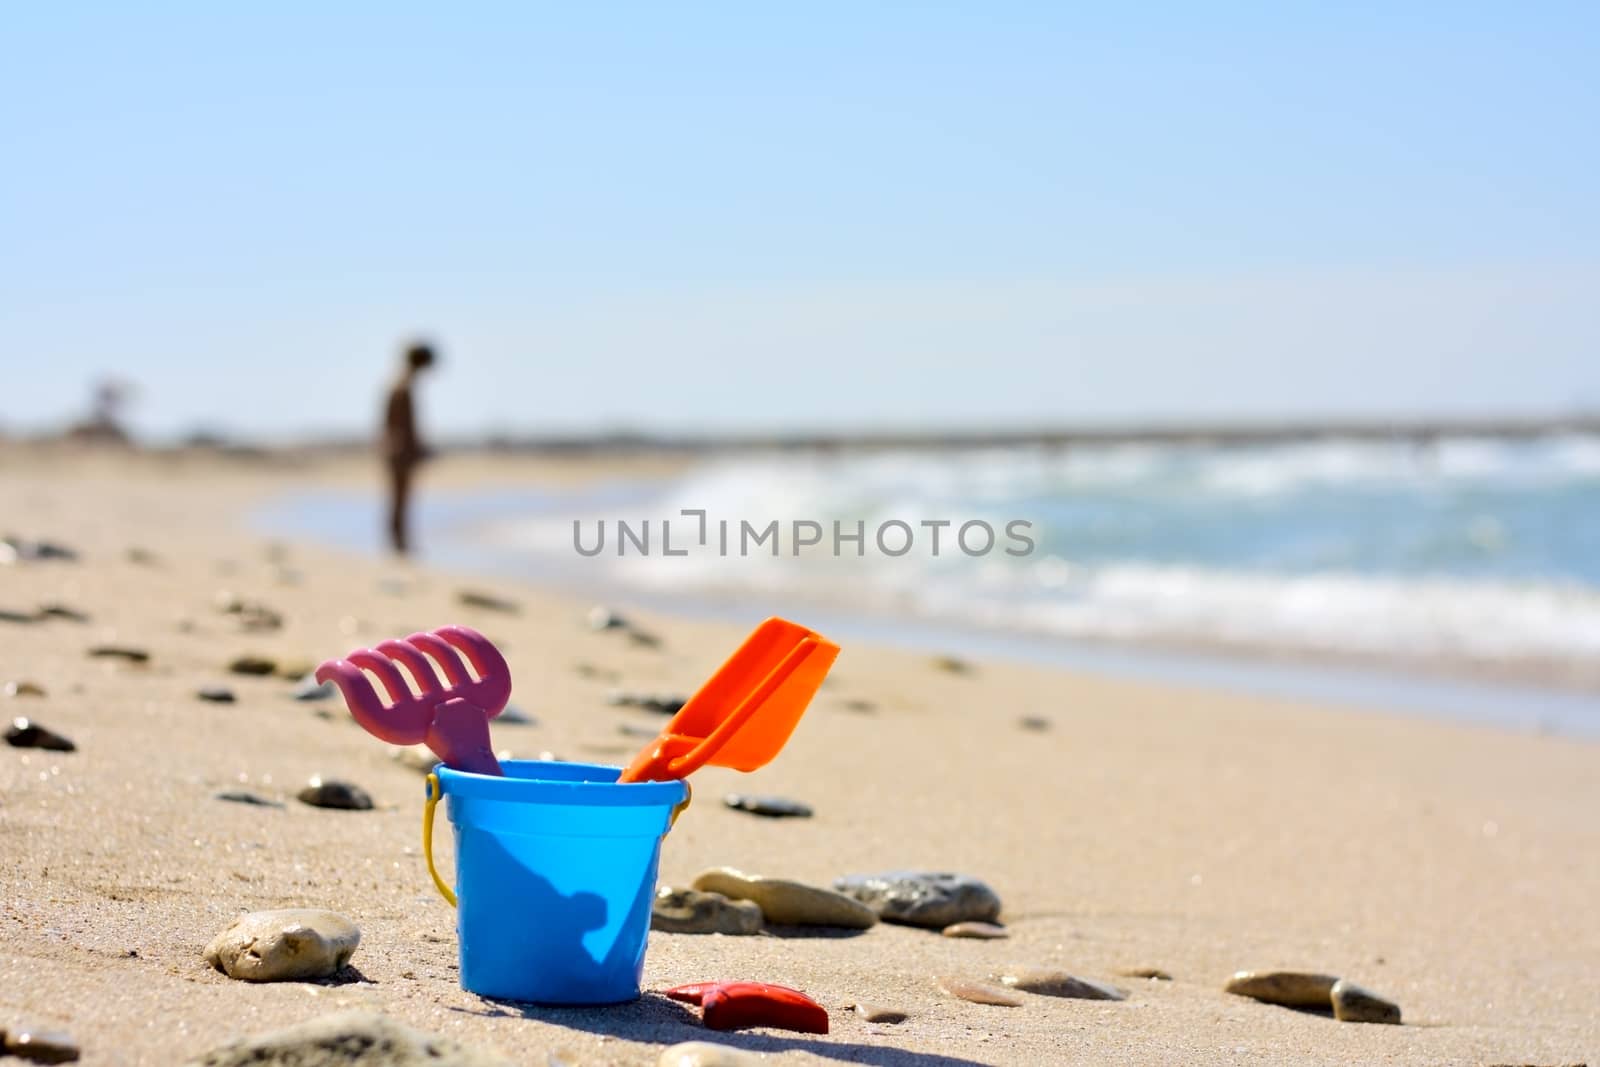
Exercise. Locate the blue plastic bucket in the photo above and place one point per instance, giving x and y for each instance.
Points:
(555, 873)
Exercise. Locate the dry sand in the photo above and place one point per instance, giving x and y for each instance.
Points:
(1454, 869)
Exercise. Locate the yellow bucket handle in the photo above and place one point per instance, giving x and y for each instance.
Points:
(435, 792)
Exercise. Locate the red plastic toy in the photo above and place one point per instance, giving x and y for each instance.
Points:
(742, 1005)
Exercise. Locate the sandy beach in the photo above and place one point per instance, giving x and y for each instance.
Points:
(1452, 869)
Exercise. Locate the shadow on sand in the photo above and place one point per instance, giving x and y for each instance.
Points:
(656, 1019)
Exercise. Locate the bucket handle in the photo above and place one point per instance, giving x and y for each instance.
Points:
(435, 791)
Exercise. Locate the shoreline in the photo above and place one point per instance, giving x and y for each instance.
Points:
(1537, 696)
(1147, 824)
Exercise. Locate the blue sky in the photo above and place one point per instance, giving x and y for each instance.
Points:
(710, 216)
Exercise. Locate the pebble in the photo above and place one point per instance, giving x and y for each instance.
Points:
(934, 899)
(878, 1013)
(633, 729)
(24, 689)
(25, 733)
(515, 716)
(689, 911)
(660, 703)
(333, 793)
(39, 1046)
(788, 903)
(216, 694)
(1036, 723)
(418, 757)
(1354, 1004)
(287, 945)
(476, 598)
(308, 688)
(21, 617)
(644, 639)
(13, 549)
(603, 618)
(1292, 989)
(1153, 973)
(123, 652)
(860, 705)
(979, 992)
(707, 1054)
(347, 1039)
(1050, 983)
(952, 665)
(242, 796)
(256, 665)
(62, 611)
(977, 930)
(773, 807)
(595, 672)
(141, 556)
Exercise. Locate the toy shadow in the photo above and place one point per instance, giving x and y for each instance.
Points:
(653, 1018)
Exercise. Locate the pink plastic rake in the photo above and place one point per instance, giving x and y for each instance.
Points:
(453, 719)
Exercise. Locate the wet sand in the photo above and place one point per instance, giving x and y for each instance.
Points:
(1450, 868)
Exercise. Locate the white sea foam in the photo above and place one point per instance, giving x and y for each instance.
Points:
(1466, 550)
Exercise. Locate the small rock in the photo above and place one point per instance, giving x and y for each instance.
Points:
(514, 716)
(347, 1039)
(788, 903)
(333, 793)
(141, 556)
(933, 899)
(13, 549)
(25, 733)
(860, 705)
(40, 1046)
(417, 757)
(660, 703)
(878, 1013)
(295, 670)
(241, 796)
(603, 618)
(62, 611)
(689, 911)
(633, 729)
(1292, 989)
(1036, 723)
(216, 694)
(707, 1054)
(308, 688)
(773, 807)
(643, 638)
(255, 665)
(1050, 983)
(978, 930)
(952, 665)
(122, 652)
(1354, 1004)
(1153, 973)
(475, 598)
(979, 992)
(24, 689)
(595, 672)
(287, 945)
(22, 618)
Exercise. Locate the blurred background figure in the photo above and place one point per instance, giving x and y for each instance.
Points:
(104, 422)
(403, 449)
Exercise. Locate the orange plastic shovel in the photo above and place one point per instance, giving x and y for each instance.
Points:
(742, 716)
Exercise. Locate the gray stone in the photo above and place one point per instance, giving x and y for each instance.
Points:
(259, 666)
(603, 618)
(1354, 1004)
(127, 653)
(979, 992)
(772, 807)
(216, 694)
(25, 733)
(788, 903)
(1291, 989)
(308, 688)
(1155, 974)
(690, 911)
(39, 1046)
(976, 930)
(923, 898)
(62, 611)
(708, 1054)
(24, 689)
(1053, 983)
(1036, 723)
(333, 793)
(880, 1013)
(347, 1039)
(476, 598)
(241, 796)
(287, 945)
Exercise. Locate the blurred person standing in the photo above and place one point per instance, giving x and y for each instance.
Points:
(403, 449)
